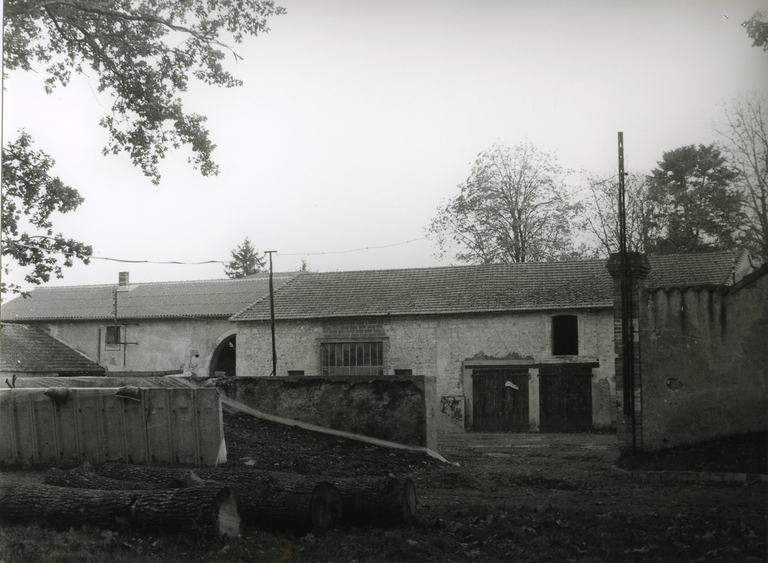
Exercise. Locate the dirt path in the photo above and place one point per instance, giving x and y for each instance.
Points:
(570, 471)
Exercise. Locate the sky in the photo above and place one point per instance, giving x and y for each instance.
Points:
(358, 118)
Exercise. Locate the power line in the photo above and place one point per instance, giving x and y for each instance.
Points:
(179, 263)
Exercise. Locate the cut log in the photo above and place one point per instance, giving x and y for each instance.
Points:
(377, 501)
(85, 477)
(270, 500)
(210, 509)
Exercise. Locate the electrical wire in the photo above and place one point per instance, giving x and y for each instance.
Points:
(179, 263)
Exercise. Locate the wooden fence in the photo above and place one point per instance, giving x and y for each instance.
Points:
(66, 426)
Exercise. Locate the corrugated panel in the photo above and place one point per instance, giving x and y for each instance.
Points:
(165, 427)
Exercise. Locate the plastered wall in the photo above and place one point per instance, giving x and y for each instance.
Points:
(704, 363)
(184, 345)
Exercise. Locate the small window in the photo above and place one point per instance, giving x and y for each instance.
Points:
(292, 372)
(112, 338)
(403, 372)
(565, 335)
(352, 358)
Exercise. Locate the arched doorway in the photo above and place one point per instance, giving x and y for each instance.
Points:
(224, 358)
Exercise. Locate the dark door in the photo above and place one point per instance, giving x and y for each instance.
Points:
(565, 395)
(500, 399)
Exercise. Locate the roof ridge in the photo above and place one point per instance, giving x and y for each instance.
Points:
(462, 266)
(279, 275)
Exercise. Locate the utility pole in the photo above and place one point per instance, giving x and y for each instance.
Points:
(272, 312)
(627, 336)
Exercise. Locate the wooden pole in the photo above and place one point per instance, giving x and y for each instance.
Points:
(272, 313)
(627, 338)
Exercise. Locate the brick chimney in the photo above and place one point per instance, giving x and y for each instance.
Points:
(124, 279)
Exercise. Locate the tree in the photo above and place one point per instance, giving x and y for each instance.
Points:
(142, 52)
(30, 196)
(601, 214)
(744, 131)
(245, 261)
(757, 30)
(512, 208)
(696, 205)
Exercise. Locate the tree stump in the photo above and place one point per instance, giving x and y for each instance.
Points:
(210, 509)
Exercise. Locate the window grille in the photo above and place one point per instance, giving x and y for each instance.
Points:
(352, 358)
(112, 338)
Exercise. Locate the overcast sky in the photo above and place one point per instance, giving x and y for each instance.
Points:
(358, 118)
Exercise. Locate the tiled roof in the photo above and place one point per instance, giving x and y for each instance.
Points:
(487, 288)
(429, 291)
(196, 299)
(685, 270)
(29, 349)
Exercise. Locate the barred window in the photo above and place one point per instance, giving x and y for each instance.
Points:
(352, 358)
(112, 338)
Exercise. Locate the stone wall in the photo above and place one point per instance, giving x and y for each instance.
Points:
(436, 346)
(704, 362)
(397, 408)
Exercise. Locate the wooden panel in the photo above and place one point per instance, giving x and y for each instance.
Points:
(113, 430)
(500, 396)
(158, 420)
(68, 434)
(45, 427)
(183, 425)
(565, 394)
(89, 426)
(135, 429)
(210, 425)
(7, 433)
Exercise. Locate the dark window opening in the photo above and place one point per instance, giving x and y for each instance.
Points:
(565, 335)
(352, 358)
(112, 337)
(295, 372)
(403, 372)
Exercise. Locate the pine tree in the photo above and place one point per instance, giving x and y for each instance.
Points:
(245, 261)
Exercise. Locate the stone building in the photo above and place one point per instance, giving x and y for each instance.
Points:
(146, 328)
(513, 347)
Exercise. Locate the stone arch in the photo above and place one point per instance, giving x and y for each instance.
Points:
(224, 357)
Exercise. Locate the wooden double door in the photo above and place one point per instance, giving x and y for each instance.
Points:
(500, 399)
(501, 394)
(565, 398)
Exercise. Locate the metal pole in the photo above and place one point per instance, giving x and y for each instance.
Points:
(272, 313)
(627, 338)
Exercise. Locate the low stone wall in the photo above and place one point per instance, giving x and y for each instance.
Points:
(396, 408)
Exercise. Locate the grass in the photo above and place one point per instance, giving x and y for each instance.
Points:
(462, 533)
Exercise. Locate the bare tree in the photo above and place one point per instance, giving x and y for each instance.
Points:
(745, 141)
(601, 213)
(512, 208)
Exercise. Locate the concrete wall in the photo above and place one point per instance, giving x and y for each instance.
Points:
(436, 346)
(704, 362)
(398, 409)
(184, 345)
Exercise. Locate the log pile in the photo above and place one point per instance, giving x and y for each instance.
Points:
(215, 500)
